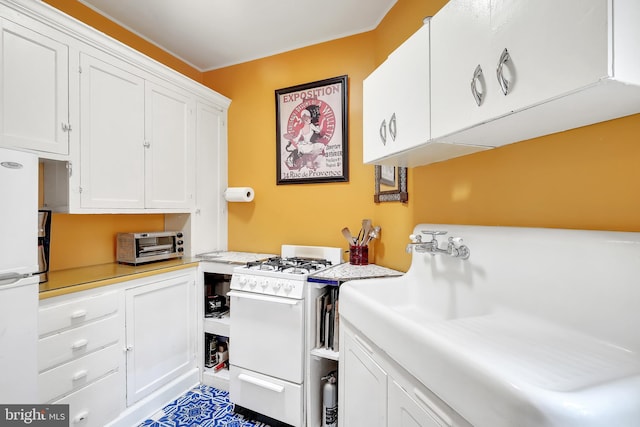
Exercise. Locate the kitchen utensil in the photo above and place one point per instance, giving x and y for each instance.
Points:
(373, 234)
(366, 229)
(347, 235)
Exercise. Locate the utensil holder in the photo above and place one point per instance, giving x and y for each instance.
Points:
(359, 255)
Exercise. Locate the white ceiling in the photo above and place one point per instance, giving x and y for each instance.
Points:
(210, 34)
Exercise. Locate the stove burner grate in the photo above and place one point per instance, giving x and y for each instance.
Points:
(292, 265)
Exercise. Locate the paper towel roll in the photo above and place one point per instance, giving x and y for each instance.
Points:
(238, 194)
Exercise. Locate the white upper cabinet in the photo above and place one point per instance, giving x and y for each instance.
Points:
(396, 109)
(112, 136)
(556, 64)
(460, 37)
(34, 96)
(209, 221)
(170, 148)
(137, 140)
(396, 100)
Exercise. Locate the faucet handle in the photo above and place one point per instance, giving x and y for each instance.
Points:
(434, 233)
(457, 249)
(456, 241)
(415, 238)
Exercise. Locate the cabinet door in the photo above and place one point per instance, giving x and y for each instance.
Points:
(459, 44)
(375, 107)
(409, 117)
(211, 180)
(160, 331)
(34, 75)
(112, 136)
(363, 395)
(554, 47)
(405, 412)
(396, 100)
(170, 148)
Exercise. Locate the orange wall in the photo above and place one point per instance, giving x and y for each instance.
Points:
(584, 178)
(80, 240)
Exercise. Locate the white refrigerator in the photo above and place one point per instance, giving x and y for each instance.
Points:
(18, 283)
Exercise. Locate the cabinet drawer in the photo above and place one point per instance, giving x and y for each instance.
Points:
(73, 343)
(76, 312)
(78, 373)
(96, 405)
(266, 395)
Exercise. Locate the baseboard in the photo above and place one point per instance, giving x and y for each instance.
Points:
(151, 404)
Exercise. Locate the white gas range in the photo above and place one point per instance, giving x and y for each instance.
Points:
(284, 275)
(268, 331)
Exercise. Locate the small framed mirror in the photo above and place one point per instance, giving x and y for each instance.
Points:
(390, 184)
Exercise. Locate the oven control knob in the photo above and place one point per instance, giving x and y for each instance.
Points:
(242, 281)
(277, 286)
(252, 283)
(288, 287)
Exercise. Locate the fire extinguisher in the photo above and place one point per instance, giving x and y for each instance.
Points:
(330, 400)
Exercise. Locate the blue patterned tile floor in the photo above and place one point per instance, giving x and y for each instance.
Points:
(202, 406)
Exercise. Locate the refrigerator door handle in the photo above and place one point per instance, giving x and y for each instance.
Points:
(11, 278)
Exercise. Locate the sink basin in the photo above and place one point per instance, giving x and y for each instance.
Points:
(422, 303)
(494, 365)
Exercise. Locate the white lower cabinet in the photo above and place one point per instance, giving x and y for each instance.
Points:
(374, 391)
(96, 404)
(161, 328)
(118, 353)
(363, 385)
(404, 411)
(80, 357)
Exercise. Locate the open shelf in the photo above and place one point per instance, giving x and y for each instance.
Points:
(217, 326)
(325, 353)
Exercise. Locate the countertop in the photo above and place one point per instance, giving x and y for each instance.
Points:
(343, 272)
(82, 278)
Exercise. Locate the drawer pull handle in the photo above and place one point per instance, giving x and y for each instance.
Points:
(261, 383)
(432, 407)
(477, 79)
(79, 344)
(505, 85)
(81, 417)
(78, 314)
(363, 344)
(80, 374)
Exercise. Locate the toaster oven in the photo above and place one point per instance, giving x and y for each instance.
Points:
(138, 248)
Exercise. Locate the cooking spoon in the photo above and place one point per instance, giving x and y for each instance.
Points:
(366, 228)
(374, 234)
(347, 235)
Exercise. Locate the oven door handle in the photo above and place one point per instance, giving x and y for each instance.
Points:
(261, 383)
(260, 297)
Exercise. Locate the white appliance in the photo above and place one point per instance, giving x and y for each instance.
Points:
(267, 331)
(18, 278)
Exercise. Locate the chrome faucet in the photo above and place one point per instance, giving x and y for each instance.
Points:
(455, 248)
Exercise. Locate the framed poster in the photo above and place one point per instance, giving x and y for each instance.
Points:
(311, 132)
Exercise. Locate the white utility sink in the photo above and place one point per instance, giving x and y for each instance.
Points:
(495, 359)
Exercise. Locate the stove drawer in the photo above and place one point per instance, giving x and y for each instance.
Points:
(269, 396)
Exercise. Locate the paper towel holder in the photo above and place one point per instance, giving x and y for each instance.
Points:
(239, 194)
